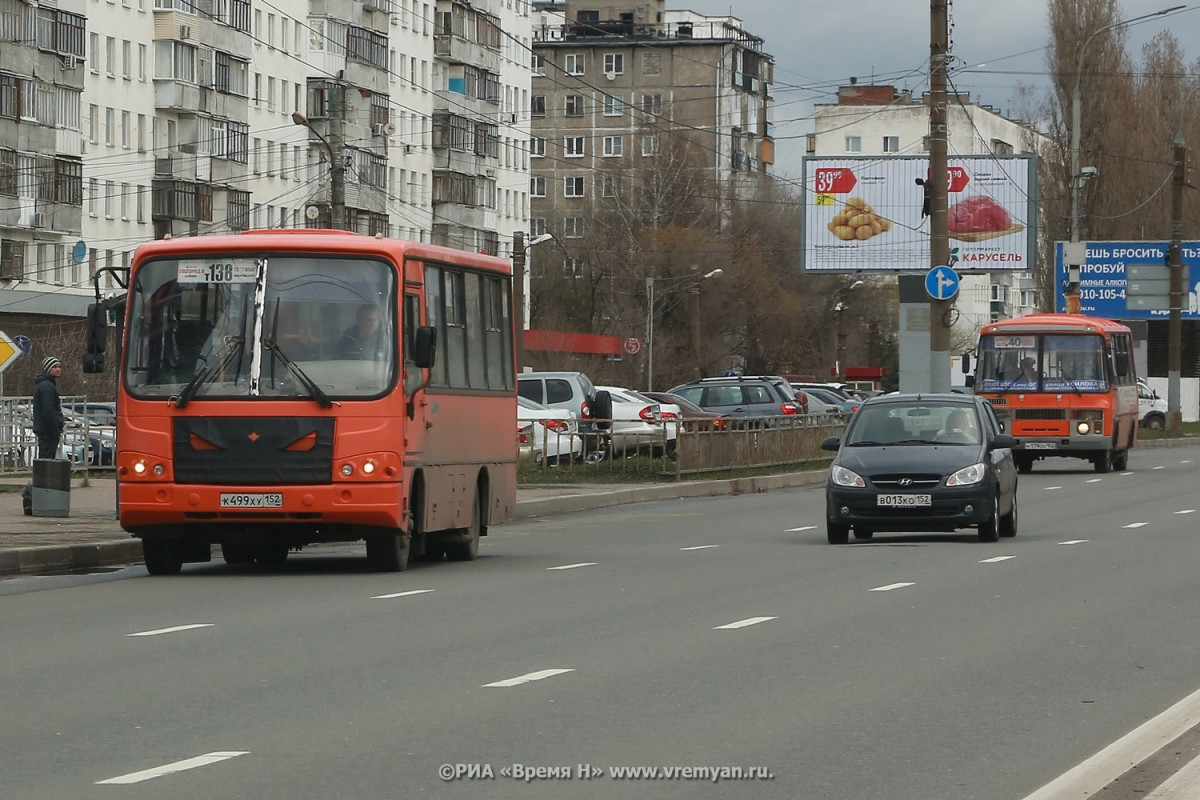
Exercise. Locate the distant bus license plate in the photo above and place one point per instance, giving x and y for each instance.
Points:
(905, 500)
(240, 500)
(1040, 446)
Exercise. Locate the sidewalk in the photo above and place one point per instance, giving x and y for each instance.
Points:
(91, 536)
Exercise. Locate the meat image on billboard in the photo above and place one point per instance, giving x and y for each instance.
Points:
(872, 213)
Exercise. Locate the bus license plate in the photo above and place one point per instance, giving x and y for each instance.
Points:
(1040, 445)
(905, 500)
(244, 500)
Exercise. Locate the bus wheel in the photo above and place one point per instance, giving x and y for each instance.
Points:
(237, 554)
(467, 549)
(1102, 462)
(388, 552)
(1024, 464)
(271, 555)
(162, 556)
(1120, 460)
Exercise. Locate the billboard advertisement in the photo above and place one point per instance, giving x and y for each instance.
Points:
(1104, 279)
(869, 213)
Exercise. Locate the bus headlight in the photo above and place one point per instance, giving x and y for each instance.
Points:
(1083, 426)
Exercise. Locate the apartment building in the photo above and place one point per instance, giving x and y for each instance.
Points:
(626, 91)
(130, 120)
(881, 120)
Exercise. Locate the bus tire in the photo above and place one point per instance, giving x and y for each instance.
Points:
(1120, 460)
(467, 549)
(388, 552)
(237, 554)
(271, 555)
(1102, 462)
(1024, 464)
(162, 556)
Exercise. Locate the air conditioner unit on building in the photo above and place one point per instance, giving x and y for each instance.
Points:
(384, 128)
(70, 61)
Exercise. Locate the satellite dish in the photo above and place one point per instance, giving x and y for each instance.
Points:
(312, 212)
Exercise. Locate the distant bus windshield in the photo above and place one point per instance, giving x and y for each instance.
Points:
(1021, 362)
(261, 325)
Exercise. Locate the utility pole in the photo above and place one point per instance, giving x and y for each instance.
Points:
(694, 296)
(1175, 264)
(337, 155)
(939, 235)
(518, 262)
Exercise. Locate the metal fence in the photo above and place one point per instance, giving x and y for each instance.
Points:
(87, 447)
(749, 443)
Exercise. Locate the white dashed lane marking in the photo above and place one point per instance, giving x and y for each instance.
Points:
(744, 623)
(401, 594)
(178, 766)
(176, 629)
(575, 566)
(996, 559)
(890, 587)
(1074, 541)
(801, 528)
(1136, 525)
(700, 547)
(1186, 511)
(527, 678)
(1052, 488)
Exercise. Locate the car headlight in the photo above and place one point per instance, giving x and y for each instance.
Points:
(967, 476)
(844, 477)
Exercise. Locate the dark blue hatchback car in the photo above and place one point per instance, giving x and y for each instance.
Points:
(922, 462)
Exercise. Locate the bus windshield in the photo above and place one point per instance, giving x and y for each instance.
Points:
(1042, 363)
(261, 326)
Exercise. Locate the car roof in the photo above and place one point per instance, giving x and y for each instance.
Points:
(908, 398)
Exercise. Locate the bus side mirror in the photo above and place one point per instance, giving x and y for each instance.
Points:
(96, 338)
(425, 347)
(966, 363)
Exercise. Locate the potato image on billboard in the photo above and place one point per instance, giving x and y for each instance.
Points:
(857, 220)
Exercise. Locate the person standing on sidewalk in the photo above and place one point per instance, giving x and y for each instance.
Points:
(48, 419)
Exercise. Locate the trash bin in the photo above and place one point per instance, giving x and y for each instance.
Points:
(51, 487)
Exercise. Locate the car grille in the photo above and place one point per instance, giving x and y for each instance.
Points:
(906, 482)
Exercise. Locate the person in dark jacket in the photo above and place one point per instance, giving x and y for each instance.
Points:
(48, 419)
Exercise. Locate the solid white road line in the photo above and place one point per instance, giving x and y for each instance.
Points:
(1183, 785)
(996, 559)
(701, 547)
(400, 594)
(176, 629)
(178, 766)
(1136, 525)
(1131, 749)
(1074, 541)
(890, 587)
(744, 623)
(801, 528)
(575, 566)
(527, 678)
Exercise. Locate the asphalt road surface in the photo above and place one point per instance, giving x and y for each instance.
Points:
(691, 638)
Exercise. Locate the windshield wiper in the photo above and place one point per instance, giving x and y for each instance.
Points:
(236, 345)
(308, 383)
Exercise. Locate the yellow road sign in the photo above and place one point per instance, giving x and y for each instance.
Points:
(9, 352)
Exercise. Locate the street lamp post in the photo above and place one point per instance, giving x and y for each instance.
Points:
(520, 278)
(650, 280)
(337, 168)
(839, 313)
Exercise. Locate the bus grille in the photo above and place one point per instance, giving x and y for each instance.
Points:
(253, 451)
(1039, 413)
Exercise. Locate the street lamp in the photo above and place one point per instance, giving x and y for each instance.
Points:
(337, 173)
(520, 279)
(716, 273)
(839, 313)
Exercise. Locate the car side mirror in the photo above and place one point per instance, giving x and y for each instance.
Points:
(1002, 442)
(832, 444)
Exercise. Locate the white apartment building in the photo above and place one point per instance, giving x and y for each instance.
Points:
(879, 120)
(202, 116)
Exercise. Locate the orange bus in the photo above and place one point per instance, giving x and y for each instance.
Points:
(280, 388)
(1063, 385)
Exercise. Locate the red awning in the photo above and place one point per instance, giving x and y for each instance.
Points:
(564, 342)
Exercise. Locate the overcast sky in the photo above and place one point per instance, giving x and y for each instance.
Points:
(819, 44)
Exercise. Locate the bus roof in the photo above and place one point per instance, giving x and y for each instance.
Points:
(313, 239)
(1055, 323)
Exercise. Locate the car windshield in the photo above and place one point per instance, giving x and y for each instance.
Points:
(918, 424)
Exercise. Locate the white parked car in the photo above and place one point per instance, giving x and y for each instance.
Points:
(548, 433)
(639, 423)
(1152, 409)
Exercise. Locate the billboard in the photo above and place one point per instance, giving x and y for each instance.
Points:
(1103, 279)
(865, 213)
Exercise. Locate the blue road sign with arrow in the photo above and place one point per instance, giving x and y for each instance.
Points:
(941, 283)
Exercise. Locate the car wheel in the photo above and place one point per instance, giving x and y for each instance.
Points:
(989, 529)
(861, 533)
(1008, 523)
(1155, 422)
(837, 534)
(598, 449)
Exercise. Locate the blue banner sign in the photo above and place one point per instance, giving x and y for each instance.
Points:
(1102, 280)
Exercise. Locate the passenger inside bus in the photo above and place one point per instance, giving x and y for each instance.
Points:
(1029, 369)
(364, 340)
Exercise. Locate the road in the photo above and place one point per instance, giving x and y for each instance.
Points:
(716, 632)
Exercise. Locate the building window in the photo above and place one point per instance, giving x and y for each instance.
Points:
(538, 64)
(610, 185)
(574, 105)
(853, 144)
(537, 105)
(574, 64)
(891, 144)
(537, 146)
(238, 209)
(573, 227)
(573, 267)
(650, 145)
(573, 146)
(999, 293)
(573, 186)
(613, 106)
(1001, 148)
(651, 63)
(537, 186)
(614, 63)
(652, 104)
(537, 226)
(614, 145)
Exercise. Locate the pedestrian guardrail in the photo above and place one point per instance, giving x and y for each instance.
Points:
(87, 447)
